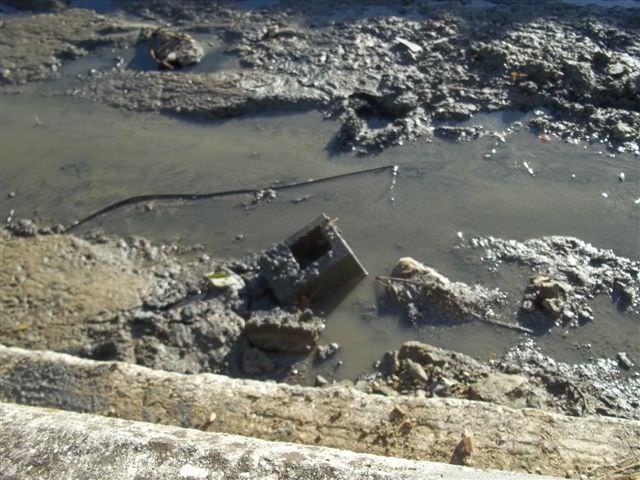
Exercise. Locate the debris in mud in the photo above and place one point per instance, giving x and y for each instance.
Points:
(524, 377)
(280, 331)
(34, 47)
(23, 228)
(428, 297)
(313, 263)
(569, 273)
(224, 279)
(172, 49)
(325, 352)
(420, 70)
(549, 296)
(624, 360)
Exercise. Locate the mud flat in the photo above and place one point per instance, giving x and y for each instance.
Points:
(139, 327)
(423, 65)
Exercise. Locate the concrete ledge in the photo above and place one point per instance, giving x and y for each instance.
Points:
(45, 444)
(425, 429)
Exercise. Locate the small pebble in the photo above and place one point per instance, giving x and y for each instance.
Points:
(622, 176)
(240, 237)
(605, 195)
(624, 360)
(11, 194)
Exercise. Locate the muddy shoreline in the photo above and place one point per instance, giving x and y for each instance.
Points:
(428, 67)
(385, 74)
(130, 300)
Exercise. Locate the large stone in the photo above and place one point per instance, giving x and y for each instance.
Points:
(171, 48)
(427, 296)
(547, 294)
(280, 331)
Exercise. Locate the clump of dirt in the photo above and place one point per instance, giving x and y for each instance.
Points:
(111, 298)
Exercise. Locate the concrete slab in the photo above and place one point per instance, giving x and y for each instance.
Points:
(48, 444)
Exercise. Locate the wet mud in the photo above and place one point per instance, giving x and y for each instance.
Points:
(423, 65)
(420, 84)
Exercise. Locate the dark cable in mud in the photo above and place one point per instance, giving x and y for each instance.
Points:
(224, 193)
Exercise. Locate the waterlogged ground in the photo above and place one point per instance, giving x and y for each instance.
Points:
(64, 158)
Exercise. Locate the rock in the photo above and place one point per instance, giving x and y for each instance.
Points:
(547, 295)
(423, 353)
(24, 228)
(324, 352)
(463, 451)
(320, 381)
(496, 387)
(281, 331)
(172, 49)
(621, 132)
(624, 360)
(427, 296)
(412, 372)
(578, 77)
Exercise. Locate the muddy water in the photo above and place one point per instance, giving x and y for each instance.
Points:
(64, 158)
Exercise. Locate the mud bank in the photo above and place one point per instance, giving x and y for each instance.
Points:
(427, 429)
(109, 298)
(388, 73)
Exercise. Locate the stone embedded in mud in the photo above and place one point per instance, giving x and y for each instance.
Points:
(23, 228)
(578, 76)
(437, 371)
(622, 132)
(172, 49)
(547, 295)
(427, 296)
(524, 377)
(324, 352)
(575, 272)
(280, 331)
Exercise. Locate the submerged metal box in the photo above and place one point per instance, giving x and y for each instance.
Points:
(313, 263)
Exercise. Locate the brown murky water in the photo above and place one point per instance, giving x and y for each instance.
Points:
(65, 158)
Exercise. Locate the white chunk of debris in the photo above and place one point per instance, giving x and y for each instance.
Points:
(621, 177)
(529, 169)
(192, 472)
(412, 47)
(605, 195)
